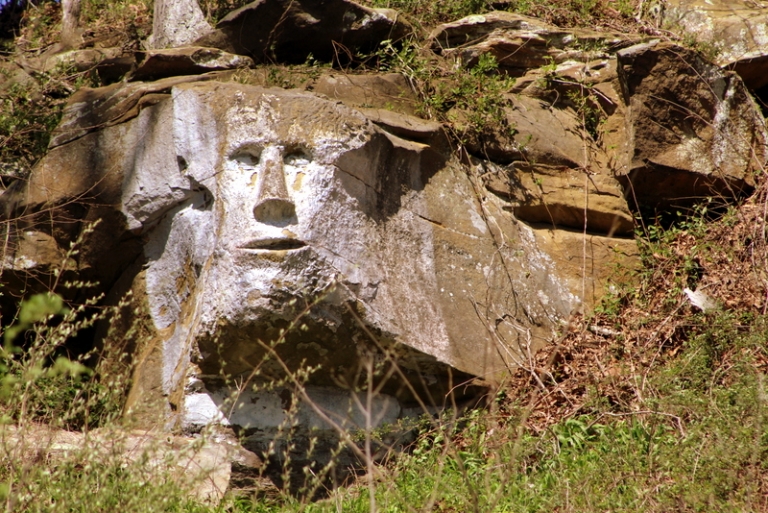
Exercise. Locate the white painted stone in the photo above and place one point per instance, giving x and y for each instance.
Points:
(262, 158)
(320, 409)
(262, 207)
(200, 410)
(177, 23)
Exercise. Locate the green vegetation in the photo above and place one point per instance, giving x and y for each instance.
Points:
(468, 102)
(31, 107)
(81, 484)
(670, 412)
(560, 12)
(27, 119)
(40, 381)
(667, 413)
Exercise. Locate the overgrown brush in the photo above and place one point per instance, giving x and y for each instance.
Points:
(607, 14)
(27, 118)
(64, 444)
(649, 404)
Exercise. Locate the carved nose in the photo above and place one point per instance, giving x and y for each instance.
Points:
(273, 205)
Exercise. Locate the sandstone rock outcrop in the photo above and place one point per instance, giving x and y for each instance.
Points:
(202, 466)
(286, 250)
(520, 43)
(292, 30)
(696, 132)
(673, 128)
(291, 207)
(735, 30)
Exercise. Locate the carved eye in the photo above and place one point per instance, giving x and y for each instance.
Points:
(246, 157)
(246, 160)
(297, 157)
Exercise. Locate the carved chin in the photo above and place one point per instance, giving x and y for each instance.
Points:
(269, 280)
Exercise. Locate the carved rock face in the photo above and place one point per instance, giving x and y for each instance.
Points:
(304, 227)
(295, 222)
(299, 201)
(272, 231)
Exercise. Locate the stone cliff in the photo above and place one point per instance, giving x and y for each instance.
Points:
(353, 229)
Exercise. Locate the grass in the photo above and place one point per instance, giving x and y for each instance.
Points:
(699, 446)
(26, 122)
(696, 442)
(90, 486)
(686, 432)
(612, 14)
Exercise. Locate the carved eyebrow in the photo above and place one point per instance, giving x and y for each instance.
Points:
(252, 149)
(298, 151)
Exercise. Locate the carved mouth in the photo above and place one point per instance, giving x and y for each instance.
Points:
(274, 244)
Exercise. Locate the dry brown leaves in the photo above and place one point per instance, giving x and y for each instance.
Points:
(606, 360)
(608, 15)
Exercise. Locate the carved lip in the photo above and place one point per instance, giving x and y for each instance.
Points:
(274, 244)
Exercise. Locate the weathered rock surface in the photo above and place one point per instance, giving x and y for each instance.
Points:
(329, 242)
(189, 60)
(736, 30)
(551, 171)
(389, 91)
(566, 198)
(675, 128)
(90, 111)
(202, 466)
(291, 30)
(520, 43)
(695, 131)
(294, 209)
(177, 23)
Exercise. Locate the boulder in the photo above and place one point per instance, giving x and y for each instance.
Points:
(561, 175)
(200, 465)
(289, 31)
(177, 23)
(693, 129)
(520, 43)
(188, 60)
(734, 31)
(79, 183)
(265, 232)
(672, 127)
